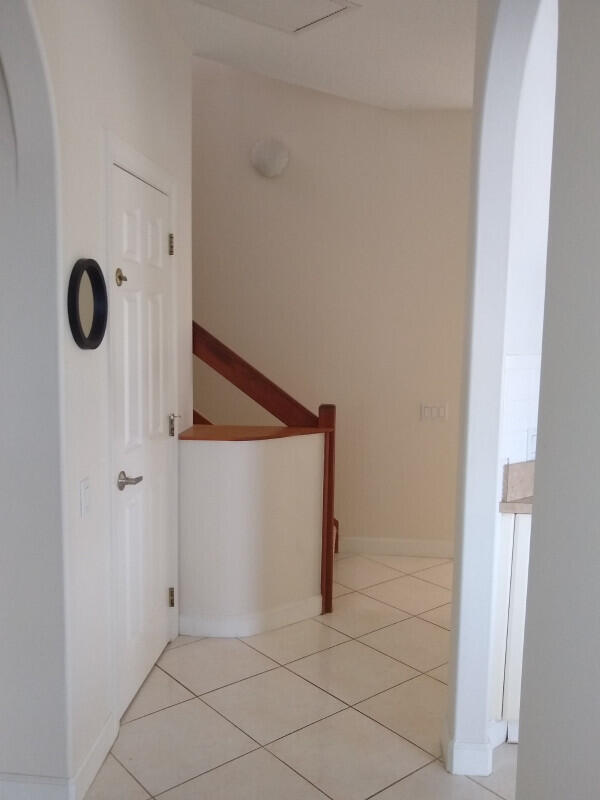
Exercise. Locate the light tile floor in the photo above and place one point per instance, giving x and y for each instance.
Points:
(347, 706)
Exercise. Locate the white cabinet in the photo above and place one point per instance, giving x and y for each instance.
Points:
(509, 627)
(516, 623)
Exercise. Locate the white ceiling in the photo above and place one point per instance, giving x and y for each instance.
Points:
(389, 53)
(285, 15)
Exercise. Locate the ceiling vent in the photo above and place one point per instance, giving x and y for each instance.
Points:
(291, 16)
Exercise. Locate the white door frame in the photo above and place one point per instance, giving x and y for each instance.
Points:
(120, 154)
(32, 247)
(505, 29)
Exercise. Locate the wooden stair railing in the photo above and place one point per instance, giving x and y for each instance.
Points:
(285, 408)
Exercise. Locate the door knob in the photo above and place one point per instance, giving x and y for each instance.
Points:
(123, 480)
(120, 276)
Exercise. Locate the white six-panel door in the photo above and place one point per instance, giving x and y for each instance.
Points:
(143, 390)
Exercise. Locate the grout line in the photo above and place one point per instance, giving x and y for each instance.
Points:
(170, 646)
(395, 783)
(235, 725)
(400, 735)
(239, 680)
(387, 655)
(408, 613)
(485, 788)
(366, 633)
(308, 725)
(431, 583)
(187, 688)
(383, 691)
(381, 564)
(156, 711)
(130, 774)
(373, 560)
(316, 652)
(314, 785)
(206, 771)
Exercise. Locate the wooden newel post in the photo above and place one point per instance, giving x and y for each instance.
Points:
(327, 420)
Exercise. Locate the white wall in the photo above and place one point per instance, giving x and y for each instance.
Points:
(115, 66)
(559, 713)
(343, 281)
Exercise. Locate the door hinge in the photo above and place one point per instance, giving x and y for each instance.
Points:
(172, 418)
(171, 597)
(171, 244)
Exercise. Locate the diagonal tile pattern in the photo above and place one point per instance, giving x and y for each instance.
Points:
(158, 691)
(442, 575)
(211, 663)
(112, 781)
(257, 776)
(414, 710)
(434, 783)
(178, 743)
(357, 572)
(295, 641)
(410, 594)
(352, 671)
(255, 705)
(355, 614)
(349, 756)
(347, 705)
(415, 642)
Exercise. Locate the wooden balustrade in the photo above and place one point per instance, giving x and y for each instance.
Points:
(284, 407)
(250, 381)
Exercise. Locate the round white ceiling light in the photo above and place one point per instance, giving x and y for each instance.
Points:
(270, 157)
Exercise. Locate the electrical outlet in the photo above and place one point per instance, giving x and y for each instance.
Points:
(433, 413)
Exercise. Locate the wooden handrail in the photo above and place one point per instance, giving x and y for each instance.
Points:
(293, 414)
(327, 421)
(250, 381)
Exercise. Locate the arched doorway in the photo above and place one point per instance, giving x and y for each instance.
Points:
(505, 37)
(34, 711)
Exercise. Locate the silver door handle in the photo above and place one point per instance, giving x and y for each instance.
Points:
(123, 480)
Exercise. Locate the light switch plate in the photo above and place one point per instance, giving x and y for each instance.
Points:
(84, 497)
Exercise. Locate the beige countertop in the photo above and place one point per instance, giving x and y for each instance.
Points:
(522, 506)
(517, 495)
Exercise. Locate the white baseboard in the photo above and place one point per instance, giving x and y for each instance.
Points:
(513, 732)
(473, 758)
(95, 758)
(498, 733)
(252, 623)
(36, 787)
(468, 758)
(387, 546)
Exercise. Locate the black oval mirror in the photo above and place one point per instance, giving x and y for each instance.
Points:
(87, 303)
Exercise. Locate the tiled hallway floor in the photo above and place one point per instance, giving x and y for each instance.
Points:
(347, 706)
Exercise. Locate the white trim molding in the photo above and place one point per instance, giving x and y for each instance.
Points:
(41, 787)
(473, 758)
(252, 623)
(387, 546)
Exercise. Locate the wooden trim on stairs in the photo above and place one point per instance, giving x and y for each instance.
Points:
(200, 420)
(250, 381)
(327, 421)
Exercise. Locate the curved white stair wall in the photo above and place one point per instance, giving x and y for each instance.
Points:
(250, 534)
